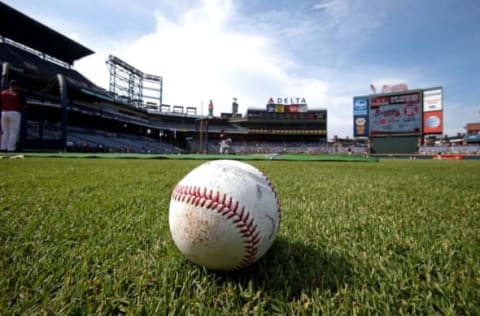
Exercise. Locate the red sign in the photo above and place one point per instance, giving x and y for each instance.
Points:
(433, 122)
(294, 108)
(380, 101)
(394, 88)
(448, 157)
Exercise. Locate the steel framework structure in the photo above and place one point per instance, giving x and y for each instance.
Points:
(128, 84)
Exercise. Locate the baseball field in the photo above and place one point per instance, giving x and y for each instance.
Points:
(90, 236)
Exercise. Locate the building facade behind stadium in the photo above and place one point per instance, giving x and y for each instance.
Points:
(66, 111)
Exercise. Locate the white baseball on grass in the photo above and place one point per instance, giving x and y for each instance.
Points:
(224, 215)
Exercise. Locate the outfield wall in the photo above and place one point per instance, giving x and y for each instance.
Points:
(394, 144)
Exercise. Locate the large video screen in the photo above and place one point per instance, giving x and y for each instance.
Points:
(396, 114)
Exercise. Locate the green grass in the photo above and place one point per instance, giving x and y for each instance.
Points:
(90, 236)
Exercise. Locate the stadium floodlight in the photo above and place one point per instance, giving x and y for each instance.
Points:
(128, 84)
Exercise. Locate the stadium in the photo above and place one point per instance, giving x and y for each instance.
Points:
(69, 112)
(84, 206)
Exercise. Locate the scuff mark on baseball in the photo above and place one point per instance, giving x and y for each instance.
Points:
(224, 215)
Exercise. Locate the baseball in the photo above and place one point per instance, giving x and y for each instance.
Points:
(224, 215)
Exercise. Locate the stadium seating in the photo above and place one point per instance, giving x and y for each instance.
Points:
(82, 139)
(264, 147)
(446, 149)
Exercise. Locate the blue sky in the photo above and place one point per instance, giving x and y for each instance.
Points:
(325, 51)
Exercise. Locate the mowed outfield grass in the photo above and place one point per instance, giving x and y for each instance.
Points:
(91, 236)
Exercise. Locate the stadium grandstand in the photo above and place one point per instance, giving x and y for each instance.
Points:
(68, 112)
(472, 133)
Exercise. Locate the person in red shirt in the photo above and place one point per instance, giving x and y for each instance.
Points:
(12, 103)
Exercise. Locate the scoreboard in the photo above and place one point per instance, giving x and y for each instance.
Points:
(407, 113)
(396, 114)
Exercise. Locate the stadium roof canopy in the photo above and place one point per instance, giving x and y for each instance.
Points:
(24, 30)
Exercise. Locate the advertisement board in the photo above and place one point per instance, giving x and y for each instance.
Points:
(360, 116)
(433, 122)
(293, 108)
(432, 100)
(396, 114)
(289, 108)
(360, 106)
(360, 126)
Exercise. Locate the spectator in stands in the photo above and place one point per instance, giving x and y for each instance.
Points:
(12, 104)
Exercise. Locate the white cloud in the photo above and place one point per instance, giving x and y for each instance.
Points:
(200, 60)
(323, 5)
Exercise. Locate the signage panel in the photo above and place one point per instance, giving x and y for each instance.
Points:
(360, 126)
(432, 100)
(360, 117)
(433, 122)
(360, 106)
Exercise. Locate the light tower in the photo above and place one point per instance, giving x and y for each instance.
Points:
(128, 84)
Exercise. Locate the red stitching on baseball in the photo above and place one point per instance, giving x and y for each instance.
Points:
(226, 206)
(279, 207)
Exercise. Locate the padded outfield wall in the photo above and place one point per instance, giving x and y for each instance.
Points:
(394, 144)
